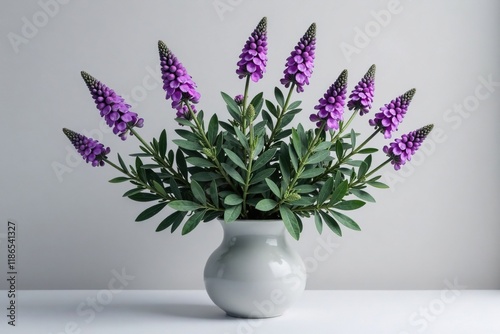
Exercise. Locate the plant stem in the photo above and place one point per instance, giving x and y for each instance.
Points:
(371, 173)
(280, 118)
(244, 107)
(208, 145)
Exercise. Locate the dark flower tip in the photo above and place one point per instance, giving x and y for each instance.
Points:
(311, 32)
(370, 74)
(401, 150)
(90, 149)
(162, 48)
(89, 80)
(262, 26)
(342, 79)
(408, 96)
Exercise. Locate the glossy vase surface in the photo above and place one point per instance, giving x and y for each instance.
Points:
(254, 273)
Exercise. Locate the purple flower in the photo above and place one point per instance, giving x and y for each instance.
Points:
(113, 107)
(183, 111)
(331, 105)
(238, 99)
(403, 148)
(253, 57)
(361, 97)
(177, 83)
(91, 150)
(299, 65)
(392, 114)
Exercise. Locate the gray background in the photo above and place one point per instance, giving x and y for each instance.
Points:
(437, 223)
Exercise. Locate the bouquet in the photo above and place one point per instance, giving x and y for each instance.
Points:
(254, 166)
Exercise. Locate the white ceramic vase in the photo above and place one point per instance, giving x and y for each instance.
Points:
(254, 273)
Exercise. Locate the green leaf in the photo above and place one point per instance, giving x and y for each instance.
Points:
(198, 192)
(174, 188)
(235, 158)
(279, 97)
(260, 176)
(174, 218)
(183, 205)
(363, 195)
(119, 179)
(184, 121)
(355, 163)
(132, 192)
(274, 188)
(230, 103)
(304, 188)
(294, 105)
(162, 144)
(349, 205)
(199, 162)
(242, 138)
(346, 221)
(378, 184)
(214, 194)
(232, 213)
(367, 151)
(233, 199)
(310, 173)
(284, 162)
(325, 191)
(363, 168)
(122, 164)
(159, 188)
(291, 222)
(181, 163)
(339, 192)
(193, 221)
(213, 129)
(323, 146)
(353, 138)
(266, 204)
(150, 212)
(233, 173)
(188, 145)
(271, 108)
(297, 144)
(318, 157)
(331, 223)
(339, 150)
(188, 135)
(318, 222)
(144, 197)
(264, 158)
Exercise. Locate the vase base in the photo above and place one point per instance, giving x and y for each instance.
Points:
(256, 316)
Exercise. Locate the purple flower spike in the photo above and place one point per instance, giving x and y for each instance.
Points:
(177, 83)
(91, 150)
(253, 57)
(331, 105)
(300, 63)
(403, 148)
(392, 114)
(112, 107)
(361, 97)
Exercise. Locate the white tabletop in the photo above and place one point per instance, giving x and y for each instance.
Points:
(333, 312)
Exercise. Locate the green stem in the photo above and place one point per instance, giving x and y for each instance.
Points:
(159, 159)
(371, 173)
(343, 127)
(280, 118)
(209, 146)
(244, 107)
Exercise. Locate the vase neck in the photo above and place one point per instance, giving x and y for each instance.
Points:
(253, 227)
